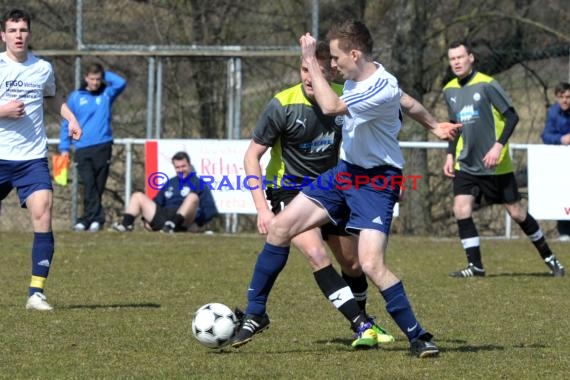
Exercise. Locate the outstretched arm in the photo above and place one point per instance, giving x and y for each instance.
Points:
(58, 105)
(415, 110)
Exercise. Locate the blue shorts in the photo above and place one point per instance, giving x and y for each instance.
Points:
(360, 198)
(26, 176)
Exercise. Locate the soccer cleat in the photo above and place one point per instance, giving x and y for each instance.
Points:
(423, 347)
(470, 271)
(120, 227)
(168, 227)
(78, 227)
(250, 325)
(556, 268)
(365, 337)
(239, 315)
(95, 227)
(37, 301)
(382, 336)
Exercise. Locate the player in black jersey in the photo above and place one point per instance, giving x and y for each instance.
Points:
(478, 159)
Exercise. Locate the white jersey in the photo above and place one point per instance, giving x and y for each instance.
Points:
(29, 82)
(370, 131)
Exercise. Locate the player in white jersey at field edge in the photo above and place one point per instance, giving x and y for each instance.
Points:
(25, 81)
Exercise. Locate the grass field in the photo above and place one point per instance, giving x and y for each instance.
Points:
(124, 303)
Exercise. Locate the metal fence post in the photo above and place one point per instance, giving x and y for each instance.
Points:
(128, 170)
(158, 109)
(150, 96)
(74, 192)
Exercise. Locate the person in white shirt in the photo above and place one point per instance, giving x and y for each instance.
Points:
(25, 81)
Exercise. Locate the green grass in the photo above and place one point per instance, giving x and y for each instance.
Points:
(124, 304)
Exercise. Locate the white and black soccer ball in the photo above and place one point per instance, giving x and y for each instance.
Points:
(214, 325)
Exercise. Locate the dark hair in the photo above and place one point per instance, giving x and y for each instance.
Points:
(458, 43)
(16, 15)
(352, 34)
(323, 51)
(561, 87)
(179, 156)
(94, 68)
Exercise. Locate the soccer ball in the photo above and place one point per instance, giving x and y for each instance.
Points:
(213, 325)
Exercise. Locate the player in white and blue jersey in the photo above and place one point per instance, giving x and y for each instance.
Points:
(370, 104)
(25, 81)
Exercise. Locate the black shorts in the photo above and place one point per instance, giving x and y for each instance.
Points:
(279, 198)
(161, 216)
(495, 189)
(164, 214)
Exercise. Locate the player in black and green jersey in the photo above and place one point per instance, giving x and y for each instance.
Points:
(478, 159)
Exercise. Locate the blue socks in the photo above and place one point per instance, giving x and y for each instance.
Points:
(398, 306)
(42, 255)
(270, 263)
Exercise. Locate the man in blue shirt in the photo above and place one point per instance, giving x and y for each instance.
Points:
(92, 104)
(181, 202)
(557, 132)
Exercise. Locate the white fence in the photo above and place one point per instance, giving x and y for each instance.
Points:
(231, 217)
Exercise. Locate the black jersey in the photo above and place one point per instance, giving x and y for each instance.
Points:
(478, 105)
(304, 142)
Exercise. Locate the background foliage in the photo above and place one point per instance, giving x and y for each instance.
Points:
(524, 43)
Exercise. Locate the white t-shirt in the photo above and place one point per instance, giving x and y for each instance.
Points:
(370, 131)
(29, 82)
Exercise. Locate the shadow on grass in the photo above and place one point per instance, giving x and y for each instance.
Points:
(534, 274)
(490, 347)
(463, 347)
(443, 348)
(342, 341)
(113, 306)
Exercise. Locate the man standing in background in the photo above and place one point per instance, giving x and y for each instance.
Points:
(92, 103)
(478, 160)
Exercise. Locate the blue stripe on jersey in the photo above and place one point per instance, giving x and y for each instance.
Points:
(369, 93)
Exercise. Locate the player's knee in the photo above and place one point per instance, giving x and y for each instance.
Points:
(461, 211)
(517, 212)
(350, 266)
(137, 196)
(317, 257)
(374, 268)
(41, 218)
(279, 230)
(39, 204)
